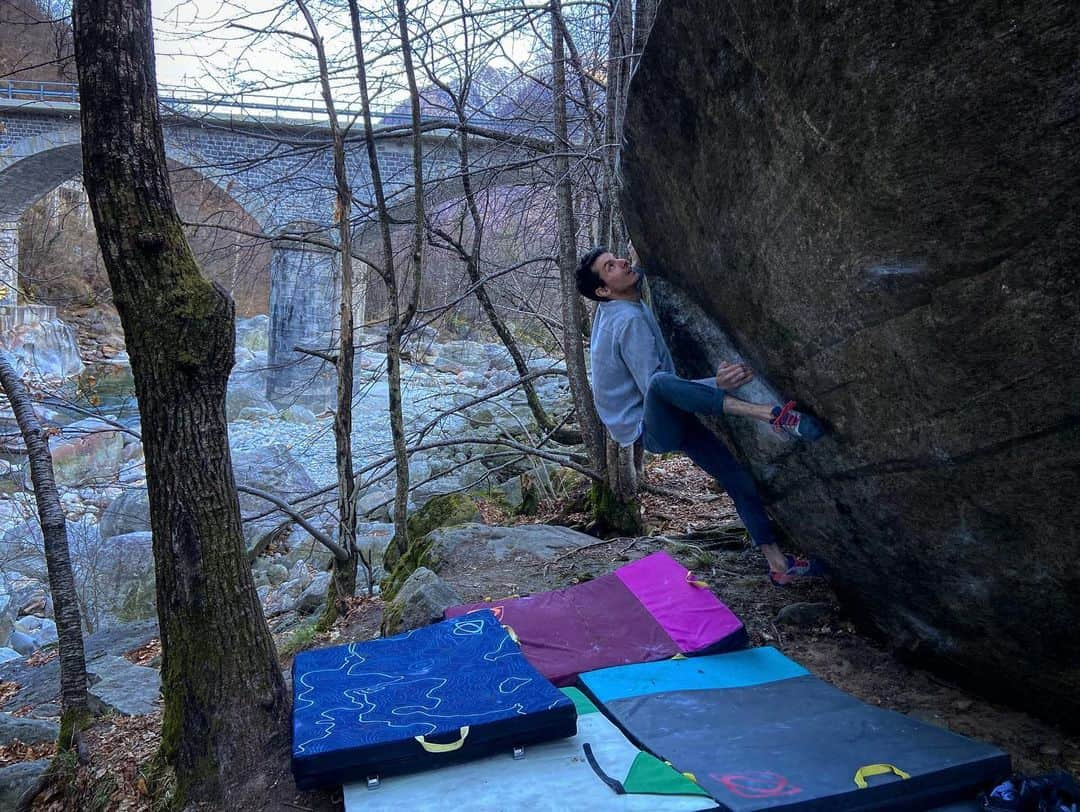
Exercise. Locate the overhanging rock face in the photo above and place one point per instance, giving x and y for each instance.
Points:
(879, 208)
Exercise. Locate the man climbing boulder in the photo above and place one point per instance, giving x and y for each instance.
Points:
(639, 396)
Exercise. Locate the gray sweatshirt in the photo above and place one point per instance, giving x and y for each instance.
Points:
(627, 349)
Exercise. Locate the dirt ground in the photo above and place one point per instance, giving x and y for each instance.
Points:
(707, 537)
(831, 649)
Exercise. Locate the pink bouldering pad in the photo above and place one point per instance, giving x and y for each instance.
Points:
(648, 610)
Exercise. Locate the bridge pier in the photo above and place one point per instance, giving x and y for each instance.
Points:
(305, 300)
(9, 264)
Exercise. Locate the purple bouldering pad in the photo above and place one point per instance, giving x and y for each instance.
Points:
(650, 609)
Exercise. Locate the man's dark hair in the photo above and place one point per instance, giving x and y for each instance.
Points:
(589, 280)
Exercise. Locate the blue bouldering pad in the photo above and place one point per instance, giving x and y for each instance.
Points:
(757, 731)
(443, 694)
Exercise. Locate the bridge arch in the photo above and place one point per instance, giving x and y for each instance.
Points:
(38, 164)
(278, 171)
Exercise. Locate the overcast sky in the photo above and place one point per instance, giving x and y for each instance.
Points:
(199, 45)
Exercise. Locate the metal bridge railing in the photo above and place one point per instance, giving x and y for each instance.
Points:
(40, 91)
(249, 106)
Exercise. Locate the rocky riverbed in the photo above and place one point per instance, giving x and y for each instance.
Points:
(282, 448)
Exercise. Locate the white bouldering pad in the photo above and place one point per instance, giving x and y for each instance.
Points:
(555, 775)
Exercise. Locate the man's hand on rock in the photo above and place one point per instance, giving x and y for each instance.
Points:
(732, 376)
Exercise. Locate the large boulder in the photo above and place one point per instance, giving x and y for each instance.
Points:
(87, 452)
(127, 513)
(43, 349)
(274, 470)
(878, 211)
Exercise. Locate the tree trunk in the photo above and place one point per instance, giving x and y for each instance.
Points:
(343, 583)
(393, 334)
(220, 676)
(611, 510)
(573, 312)
(73, 700)
(400, 320)
(615, 505)
(619, 46)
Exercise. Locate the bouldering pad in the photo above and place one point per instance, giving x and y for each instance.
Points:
(757, 731)
(446, 693)
(649, 609)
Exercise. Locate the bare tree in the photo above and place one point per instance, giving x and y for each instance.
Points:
(400, 320)
(343, 583)
(614, 507)
(73, 700)
(471, 253)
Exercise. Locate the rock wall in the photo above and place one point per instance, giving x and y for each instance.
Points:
(878, 206)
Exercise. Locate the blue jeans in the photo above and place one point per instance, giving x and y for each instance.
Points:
(670, 425)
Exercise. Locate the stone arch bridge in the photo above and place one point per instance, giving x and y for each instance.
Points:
(273, 157)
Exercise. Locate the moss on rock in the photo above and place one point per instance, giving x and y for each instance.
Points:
(445, 510)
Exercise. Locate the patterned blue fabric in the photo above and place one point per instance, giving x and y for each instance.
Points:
(426, 682)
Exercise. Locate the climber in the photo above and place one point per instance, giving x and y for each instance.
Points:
(638, 395)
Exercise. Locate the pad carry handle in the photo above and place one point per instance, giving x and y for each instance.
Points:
(871, 770)
(449, 747)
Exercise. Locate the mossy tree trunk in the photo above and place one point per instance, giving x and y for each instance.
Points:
(220, 676)
(615, 505)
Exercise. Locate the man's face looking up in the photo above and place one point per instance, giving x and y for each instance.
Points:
(620, 279)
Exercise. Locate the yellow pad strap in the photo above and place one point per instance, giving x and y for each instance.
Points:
(871, 770)
(449, 747)
(690, 580)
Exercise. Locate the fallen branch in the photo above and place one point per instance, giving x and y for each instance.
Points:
(671, 493)
(287, 509)
(584, 547)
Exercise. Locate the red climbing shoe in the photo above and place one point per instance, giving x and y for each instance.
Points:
(785, 420)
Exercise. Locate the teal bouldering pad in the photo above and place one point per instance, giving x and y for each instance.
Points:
(552, 776)
(757, 731)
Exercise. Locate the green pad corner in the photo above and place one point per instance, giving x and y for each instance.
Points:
(581, 702)
(650, 776)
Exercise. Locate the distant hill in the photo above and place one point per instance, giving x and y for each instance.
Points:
(35, 41)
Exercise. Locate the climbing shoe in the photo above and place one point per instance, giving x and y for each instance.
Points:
(785, 420)
(1056, 791)
(798, 571)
